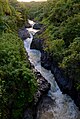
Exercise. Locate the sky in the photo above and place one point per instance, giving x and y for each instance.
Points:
(30, 0)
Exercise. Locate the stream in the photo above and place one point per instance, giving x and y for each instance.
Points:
(55, 105)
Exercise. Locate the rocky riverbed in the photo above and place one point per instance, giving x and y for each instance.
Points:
(43, 85)
(55, 105)
(42, 90)
(47, 62)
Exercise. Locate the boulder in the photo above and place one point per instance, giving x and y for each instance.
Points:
(43, 86)
(24, 34)
(27, 25)
(28, 114)
(63, 82)
(37, 26)
(44, 108)
(41, 30)
(36, 44)
(46, 60)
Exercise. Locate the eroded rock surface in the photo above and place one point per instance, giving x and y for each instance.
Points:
(47, 61)
(43, 88)
(23, 33)
(36, 44)
(37, 26)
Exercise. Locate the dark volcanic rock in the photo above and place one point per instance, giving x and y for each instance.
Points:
(46, 60)
(28, 114)
(37, 26)
(48, 63)
(27, 25)
(65, 84)
(44, 107)
(23, 34)
(36, 44)
(43, 88)
(40, 31)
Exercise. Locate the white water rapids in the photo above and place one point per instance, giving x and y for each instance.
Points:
(64, 107)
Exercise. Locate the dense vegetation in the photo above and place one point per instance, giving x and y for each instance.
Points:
(61, 40)
(17, 82)
(62, 34)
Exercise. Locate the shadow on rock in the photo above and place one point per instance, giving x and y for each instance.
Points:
(23, 33)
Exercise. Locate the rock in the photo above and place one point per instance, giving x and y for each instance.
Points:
(40, 31)
(37, 26)
(36, 44)
(23, 34)
(65, 84)
(43, 88)
(44, 109)
(46, 60)
(27, 25)
(28, 114)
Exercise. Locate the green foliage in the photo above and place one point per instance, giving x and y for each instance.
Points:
(62, 41)
(71, 29)
(18, 83)
(2, 25)
(12, 15)
(37, 10)
(56, 48)
(62, 34)
(71, 62)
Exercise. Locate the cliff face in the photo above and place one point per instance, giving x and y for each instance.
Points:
(64, 83)
(42, 90)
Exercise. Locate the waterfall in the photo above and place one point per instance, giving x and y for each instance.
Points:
(63, 106)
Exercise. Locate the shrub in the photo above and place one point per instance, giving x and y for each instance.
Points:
(71, 62)
(18, 83)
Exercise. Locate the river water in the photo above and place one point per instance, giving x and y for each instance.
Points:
(55, 105)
